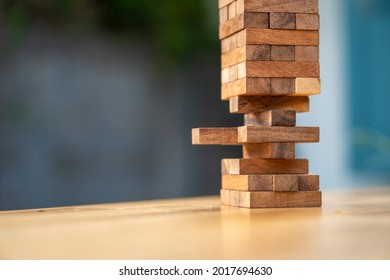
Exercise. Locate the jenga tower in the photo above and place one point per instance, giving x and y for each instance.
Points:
(270, 65)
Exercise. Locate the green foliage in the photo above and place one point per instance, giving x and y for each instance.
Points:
(179, 28)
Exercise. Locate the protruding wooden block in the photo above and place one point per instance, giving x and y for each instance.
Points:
(272, 134)
(271, 118)
(282, 20)
(264, 166)
(305, 86)
(308, 21)
(282, 86)
(268, 150)
(214, 136)
(283, 53)
(255, 104)
(306, 53)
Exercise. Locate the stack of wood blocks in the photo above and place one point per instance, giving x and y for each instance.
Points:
(270, 65)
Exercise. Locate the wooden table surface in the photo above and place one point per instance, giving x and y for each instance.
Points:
(351, 225)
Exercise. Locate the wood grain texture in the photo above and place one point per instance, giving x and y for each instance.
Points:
(285, 183)
(247, 182)
(214, 136)
(268, 150)
(305, 86)
(253, 36)
(309, 182)
(291, 6)
(271, 118)
(279, 199)
(283, 53)
(272, 134)
(282, 21)
(255, 104)
(246, 52)
(234, 198)
(282, 86)
(282, 69)
(242, 21)
(306, 53)
(308, 21)
(246, 86)
(264, 166)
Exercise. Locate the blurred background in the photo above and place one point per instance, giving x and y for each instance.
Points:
(98, 98)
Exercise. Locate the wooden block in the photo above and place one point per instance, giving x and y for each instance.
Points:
(283, 53)
(258, 52)
(251, 36)
(223, 14)
(234, 198)
(264, 166)
(256, 20)
(306, 53)
(214, 136)
(242, 21)
(282, 20)
(291, 6)
(255, 104)
(305, 86)
(247, 182)
(233, 73)
(272, 134)
(282, 69)
(241, 72)
(308, 21)
(232, 12)
(271, 118)
(282, 86)
(285, 183)
(228, 44)
(280, 199)
(247, 86)
(233, 57)
(309, 182)
(225, 75)
(225, 197)
(247, 52)
(223, 3)
(268, 150)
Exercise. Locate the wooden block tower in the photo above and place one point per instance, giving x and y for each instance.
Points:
(270, 65)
